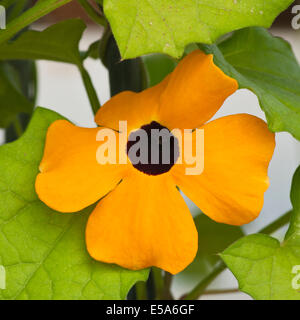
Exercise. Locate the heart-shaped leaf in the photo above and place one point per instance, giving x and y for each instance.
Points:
(267, 66)
(43, 251)
(149, 26)
(58, 42)
(266, 268)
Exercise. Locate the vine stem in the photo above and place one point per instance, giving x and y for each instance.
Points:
(158, 282)
(141, 290)
(221, 291)
(166, 294)
(91, 92)
(92, 13)
(200, 288)
(277, 224)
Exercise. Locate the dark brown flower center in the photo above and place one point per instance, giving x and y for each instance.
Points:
(152, 149)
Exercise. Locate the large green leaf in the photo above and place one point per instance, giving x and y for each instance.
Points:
(44, 251)
(58, 42)
(148, 26)
(267, 66)
(213, 238)
(266, 268)
(12, 101)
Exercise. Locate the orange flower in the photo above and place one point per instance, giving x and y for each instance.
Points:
(142, 220)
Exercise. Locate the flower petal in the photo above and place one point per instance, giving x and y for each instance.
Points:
(71, 178)
(195, 91)
(144, 222)
(137, 109)
(237, 152)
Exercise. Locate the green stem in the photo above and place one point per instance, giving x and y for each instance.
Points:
(277, 224)
(141, 290)
(200, 288)
(221, 291)
(167, 295)
(92, 13)
(40, 9)
(91, 92)
(103, 44)
(158, 282)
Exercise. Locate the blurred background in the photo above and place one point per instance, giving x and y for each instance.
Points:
(61, 89)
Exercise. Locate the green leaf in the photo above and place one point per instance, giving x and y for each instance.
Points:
(267, 66)
(158, 66)
(294, 229)
(93, 51)
(23, 75)
(40, 9)
(44, 251)
(266, 268)
(213, 238)
(12, 101)
(149, 26)
(58, 42)
(91, 11)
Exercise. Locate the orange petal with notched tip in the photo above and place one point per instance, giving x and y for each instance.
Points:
(71, 178)
(187, 98)
(144, 222)
(195, 91)
(237, 152)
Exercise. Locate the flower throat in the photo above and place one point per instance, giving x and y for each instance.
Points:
(153, 149)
